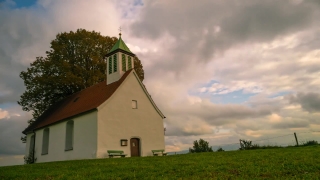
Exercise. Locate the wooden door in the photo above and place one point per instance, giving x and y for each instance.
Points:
(135, 147)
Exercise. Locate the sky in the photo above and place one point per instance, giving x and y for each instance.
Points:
(220, 70)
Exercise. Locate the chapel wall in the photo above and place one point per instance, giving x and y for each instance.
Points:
(118, 120)
(84, 140)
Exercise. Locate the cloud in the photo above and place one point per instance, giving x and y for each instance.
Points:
(3, 114)
(292, 123)
(265, 48)
(27, 33)
(194, 25)
(201, 117)
(247, 87)
(11, 128)
(11, 160)
(308, 101)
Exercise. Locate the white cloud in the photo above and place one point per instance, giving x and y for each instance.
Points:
(4, 114)
(275, 118)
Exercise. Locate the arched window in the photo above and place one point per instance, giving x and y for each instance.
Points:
(124, 64)
(45, 141)
(110, 65)
(69, 135)
(115, 65)
(129, 63)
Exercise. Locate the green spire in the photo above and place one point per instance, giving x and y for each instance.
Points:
(120, 45)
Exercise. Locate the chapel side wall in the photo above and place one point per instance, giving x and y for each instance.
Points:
(84, 140)
(117, 120)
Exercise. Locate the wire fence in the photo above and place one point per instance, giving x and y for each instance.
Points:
(284, 140)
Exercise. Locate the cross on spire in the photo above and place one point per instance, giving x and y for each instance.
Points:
(120, 31)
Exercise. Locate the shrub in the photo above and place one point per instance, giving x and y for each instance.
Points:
(246, 145)
(29, 159)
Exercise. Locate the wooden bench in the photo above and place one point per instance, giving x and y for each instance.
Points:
(116, 153)
(157, 152)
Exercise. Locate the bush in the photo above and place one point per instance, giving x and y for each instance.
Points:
(200, 146)
(310, 143)
(246, 145)
(269, 147)
(220, 149)
(29, 159)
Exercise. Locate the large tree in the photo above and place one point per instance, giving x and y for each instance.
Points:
(200, 146)
(75, 61)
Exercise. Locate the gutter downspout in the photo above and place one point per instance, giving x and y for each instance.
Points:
(34, 146)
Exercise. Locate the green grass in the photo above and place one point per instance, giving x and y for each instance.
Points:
(282, 163)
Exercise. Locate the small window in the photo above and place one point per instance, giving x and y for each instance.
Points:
(110, 65)
(69, 135)
(129, 63)
(124, 64)
(45, 141)
(115, 65)
(124, 142)
(134, 104)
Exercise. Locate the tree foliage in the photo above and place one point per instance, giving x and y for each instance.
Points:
(75, 61)
(200, 146)
(138, 68)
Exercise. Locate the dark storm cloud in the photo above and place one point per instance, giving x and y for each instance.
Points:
(308, 101)
(19, 31)
(10, 134)
(239, 22)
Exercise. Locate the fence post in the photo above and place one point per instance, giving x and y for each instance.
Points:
(295, 136)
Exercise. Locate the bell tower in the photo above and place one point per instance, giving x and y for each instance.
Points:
(119, 60)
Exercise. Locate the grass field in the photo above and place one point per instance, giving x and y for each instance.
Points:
(282, 163)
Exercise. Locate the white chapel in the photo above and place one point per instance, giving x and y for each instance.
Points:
(116, 114)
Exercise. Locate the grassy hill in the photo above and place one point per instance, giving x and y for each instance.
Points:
(282, 163)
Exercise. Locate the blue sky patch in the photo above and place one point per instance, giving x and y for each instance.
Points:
(19, 3)
(7, 105)
(138, 3)
(279, 94)
(236, 97)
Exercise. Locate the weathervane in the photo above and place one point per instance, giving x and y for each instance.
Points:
(120, 31)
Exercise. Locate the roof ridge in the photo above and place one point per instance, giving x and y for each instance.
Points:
(84, 89)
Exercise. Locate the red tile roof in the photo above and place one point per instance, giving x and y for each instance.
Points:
(77, 103)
